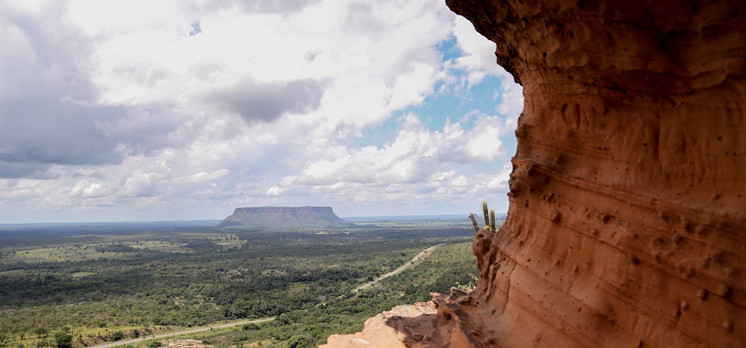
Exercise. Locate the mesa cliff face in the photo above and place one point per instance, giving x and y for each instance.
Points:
(280, 217)
(627, 218)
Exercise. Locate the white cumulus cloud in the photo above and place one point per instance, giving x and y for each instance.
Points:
(124, 110)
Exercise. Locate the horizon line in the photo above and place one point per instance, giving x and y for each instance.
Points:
(466, 215)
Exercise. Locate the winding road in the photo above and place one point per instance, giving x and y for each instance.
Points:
(423, 254)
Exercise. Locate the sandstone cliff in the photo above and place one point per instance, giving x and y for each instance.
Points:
(281, 217)
(627, 218)
(391, 329)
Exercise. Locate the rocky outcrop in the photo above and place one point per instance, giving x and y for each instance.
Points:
(283, 217)
(391, 329)
(627, 218)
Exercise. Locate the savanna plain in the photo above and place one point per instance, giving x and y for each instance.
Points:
(78, 285)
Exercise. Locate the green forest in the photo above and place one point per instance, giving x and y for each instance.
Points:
(67, 287)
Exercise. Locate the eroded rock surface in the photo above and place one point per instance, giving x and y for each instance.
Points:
(627, 222)
(391, 329)
(627, 218)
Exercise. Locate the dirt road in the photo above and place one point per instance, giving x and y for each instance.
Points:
(183, 332)
(423, 254)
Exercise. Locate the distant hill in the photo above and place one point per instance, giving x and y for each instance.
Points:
(280, 217)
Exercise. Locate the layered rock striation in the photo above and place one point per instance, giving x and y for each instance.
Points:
(627, 218)
(282, 217)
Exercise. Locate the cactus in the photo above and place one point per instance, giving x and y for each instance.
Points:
(486, 212)
(474, 222)
(492, 221)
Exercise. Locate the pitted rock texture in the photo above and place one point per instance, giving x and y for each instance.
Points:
(627, 218)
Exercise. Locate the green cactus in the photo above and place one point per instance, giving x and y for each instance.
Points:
(474, 222)
(492, 221)
(486, 212)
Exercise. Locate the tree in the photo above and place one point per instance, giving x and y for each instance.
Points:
(63, 339)
(299, 341)
(41, 332)
(117, 336)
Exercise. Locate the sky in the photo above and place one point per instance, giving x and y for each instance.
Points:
(185, 110)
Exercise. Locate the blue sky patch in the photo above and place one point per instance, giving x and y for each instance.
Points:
(196, 29)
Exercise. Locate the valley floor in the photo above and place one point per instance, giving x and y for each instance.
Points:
(110, 286)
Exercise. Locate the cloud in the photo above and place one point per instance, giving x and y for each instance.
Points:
(51, 132)
(274, 191)
(113, 111)
(478, 59)
(495, 183)
(266, 102)
(86, 189)
(49, 104)
(45, 100)
(414, 154)
(258, 6)
(361, 19)
(16, 169)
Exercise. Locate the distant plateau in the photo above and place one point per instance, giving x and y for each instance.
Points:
(274, 217)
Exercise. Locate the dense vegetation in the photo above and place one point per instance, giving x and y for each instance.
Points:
(61, 288)
(450, 265)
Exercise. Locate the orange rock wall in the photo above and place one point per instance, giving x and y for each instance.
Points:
(627, 218)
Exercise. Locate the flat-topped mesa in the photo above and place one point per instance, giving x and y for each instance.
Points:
(281, 217)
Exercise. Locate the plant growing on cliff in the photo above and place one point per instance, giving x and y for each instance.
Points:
(490, 223)
(474, 222)
(493, 224)
(470, 285)
(486, 212)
